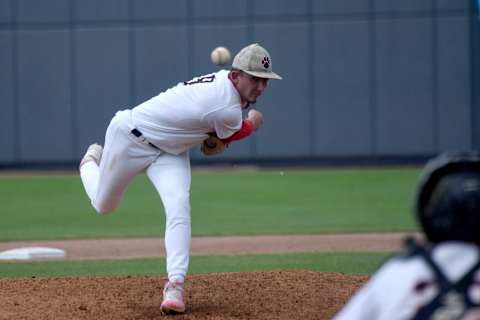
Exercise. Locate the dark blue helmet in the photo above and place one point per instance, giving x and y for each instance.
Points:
(448, 198)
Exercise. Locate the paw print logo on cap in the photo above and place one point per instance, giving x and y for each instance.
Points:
(266, 62)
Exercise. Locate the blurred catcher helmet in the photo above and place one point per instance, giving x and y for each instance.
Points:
(448, 198)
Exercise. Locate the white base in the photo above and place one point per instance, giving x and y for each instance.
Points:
(31, 253)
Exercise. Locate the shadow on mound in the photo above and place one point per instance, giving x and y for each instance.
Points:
(293, 294)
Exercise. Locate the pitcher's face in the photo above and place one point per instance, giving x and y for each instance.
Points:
(249, 87)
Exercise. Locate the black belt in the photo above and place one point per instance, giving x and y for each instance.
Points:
(138, 134)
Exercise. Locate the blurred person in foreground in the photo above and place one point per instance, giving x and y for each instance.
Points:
(439, 278)
(155, 138)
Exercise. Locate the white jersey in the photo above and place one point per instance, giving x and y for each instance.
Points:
(182, 116)
(393, 291)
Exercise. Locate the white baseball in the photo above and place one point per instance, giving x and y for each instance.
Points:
(220, 56)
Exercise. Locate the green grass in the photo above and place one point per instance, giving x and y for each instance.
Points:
(223, 203)
(354, 263)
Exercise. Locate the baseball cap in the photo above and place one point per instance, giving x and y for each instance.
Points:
(256, 61)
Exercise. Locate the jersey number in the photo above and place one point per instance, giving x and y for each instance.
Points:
(204, 79)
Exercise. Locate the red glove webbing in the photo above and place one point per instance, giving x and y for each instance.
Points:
(246, 130)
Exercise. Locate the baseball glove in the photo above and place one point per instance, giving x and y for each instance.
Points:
(212, 145)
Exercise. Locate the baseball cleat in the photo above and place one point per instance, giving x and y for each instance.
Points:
(173, 298)
(94, 153)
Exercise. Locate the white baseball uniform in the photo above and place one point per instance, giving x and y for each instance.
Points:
(155, 137)
(398, 289)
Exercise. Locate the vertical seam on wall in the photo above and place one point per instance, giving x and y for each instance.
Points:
(436, 113)
(251, 37)
(474, 69)
(131, 55)
(189, 31)
(72, 84)
(311, 79)
(372, 78)
(15, 77)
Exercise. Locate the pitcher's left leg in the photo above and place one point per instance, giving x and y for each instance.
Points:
(171, 176)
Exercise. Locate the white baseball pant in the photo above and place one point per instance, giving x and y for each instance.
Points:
(124, 157)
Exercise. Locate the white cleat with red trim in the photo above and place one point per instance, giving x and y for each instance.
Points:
(94, 153)
(173, 298)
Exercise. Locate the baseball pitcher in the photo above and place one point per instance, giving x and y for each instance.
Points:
(155, 137)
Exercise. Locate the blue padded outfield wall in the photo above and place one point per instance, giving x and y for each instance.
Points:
(363, 79)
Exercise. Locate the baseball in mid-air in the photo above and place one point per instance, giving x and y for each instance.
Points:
(220, 56)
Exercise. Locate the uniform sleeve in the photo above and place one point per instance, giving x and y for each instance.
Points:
(246, 130)
(369, 302)
(226, 122)
(361, 306)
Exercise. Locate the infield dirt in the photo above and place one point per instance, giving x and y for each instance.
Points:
(232, 245)
(292, 294)
(289, 295)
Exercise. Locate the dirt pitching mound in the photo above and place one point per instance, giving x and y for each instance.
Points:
(293, 294)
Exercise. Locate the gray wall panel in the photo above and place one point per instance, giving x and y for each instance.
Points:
(404, 83)
(219, 8)
(369, 78)
(102, 81)
(285, 104)
(341, 7)
(454, 5)
(7, 115)
(204, 39)
(343, 115)
(44, 96)
(154, 9)
(280, 7)
(454, 129)
(6, 15)
(105, 10)
(43, 11)
(404, 6)
(157, 69)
